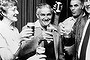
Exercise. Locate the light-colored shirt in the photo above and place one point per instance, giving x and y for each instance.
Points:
(9, 37)
(40, 28)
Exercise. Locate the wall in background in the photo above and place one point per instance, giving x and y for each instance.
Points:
(65, 13)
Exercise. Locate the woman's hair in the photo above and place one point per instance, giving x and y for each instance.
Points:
(42, 5)
(4, 5)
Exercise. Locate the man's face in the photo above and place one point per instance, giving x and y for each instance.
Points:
(87, 6)
(76, 7)
(11, 13)
(44, 16)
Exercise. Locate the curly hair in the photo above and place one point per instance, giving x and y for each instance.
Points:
(4, 4)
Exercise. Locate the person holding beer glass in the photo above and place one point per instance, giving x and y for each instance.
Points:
(10, 39)
(84, 51)
(47, 35)
(72, 29)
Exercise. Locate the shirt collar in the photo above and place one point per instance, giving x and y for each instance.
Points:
(84, 14)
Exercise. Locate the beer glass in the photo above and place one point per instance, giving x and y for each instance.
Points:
(31, 26)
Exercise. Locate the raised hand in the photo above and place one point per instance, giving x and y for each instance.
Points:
(47, 35)
(27, 32)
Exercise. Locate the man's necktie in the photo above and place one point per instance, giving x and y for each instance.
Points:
(85, 43)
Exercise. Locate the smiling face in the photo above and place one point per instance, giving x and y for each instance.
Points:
(11, 13)
(44, 15)
(9, 10)
(76, 7)
(87, 6)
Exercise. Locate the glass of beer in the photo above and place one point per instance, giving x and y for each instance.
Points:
(31, 26)
(40, 50)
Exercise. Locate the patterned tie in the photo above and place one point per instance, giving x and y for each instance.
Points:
(85, 43)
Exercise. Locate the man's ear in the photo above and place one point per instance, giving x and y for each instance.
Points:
(37, 15)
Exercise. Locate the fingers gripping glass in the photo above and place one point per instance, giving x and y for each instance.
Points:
(57, 7)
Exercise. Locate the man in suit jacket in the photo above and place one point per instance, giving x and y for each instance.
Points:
(84, 47)
(73, 26)
(45, 35)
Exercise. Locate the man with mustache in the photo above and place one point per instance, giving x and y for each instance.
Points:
(47, 35)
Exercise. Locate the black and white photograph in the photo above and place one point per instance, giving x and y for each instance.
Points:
(44, 29)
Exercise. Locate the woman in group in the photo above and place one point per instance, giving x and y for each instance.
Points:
(9, 35)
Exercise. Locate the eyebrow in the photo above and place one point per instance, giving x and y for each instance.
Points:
(47, 13)
(74, 5)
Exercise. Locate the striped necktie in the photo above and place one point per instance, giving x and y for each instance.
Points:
(85, 43)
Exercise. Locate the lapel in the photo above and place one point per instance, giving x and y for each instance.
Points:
(85, 43)
(56, 41)
(55, 37)
(79, 27)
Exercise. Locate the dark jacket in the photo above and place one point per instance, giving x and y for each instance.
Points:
(30, 46)
(79, 26)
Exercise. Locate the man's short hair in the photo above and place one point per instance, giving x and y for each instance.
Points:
(41, 5)
(82, 1)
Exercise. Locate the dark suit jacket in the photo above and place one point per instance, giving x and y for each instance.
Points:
(76, 36)
(79, 26)
(30, 46)
(57, 42)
